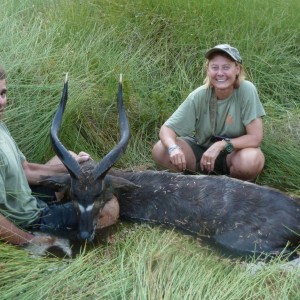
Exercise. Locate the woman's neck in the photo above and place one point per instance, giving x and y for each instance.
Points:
(222, 94)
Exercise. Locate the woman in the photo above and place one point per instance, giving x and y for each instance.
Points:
(218, 129)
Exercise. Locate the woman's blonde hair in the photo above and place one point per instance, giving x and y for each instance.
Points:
(239, 78)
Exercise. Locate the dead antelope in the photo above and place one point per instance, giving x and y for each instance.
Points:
(88, 185)
(243, 217)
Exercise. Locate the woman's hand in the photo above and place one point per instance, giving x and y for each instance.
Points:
(177, 158)
(207, 162)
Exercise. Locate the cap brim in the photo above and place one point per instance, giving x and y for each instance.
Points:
(218, 50)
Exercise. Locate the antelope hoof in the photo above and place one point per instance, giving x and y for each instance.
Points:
(43, 245)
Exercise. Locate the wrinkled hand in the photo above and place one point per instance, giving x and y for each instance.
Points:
(82, 157)
(177, 158)
(207, 162)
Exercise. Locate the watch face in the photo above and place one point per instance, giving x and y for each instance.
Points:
(229, 147)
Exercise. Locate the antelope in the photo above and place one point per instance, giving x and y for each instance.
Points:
(240, 216)
(88, 184)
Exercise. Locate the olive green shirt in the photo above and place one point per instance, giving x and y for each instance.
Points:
(193, 118)
(16, 201)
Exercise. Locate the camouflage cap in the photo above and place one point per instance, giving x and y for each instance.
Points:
(231, 51)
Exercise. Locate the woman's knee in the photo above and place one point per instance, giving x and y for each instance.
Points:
(247, 163)
(158, 152)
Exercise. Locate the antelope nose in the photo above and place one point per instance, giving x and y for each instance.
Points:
(85, 236)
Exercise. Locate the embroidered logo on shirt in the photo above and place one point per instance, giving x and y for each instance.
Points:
(229, 119)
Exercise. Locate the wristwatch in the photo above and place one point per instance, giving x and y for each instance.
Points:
(229, 147)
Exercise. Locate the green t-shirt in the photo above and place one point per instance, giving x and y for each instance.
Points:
(192, 118)
(16, 201)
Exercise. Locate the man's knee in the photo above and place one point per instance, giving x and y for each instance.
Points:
(109, 214)
(55, 160)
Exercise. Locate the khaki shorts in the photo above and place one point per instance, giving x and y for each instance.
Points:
(220, 168)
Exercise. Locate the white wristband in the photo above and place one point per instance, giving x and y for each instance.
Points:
(172, 148)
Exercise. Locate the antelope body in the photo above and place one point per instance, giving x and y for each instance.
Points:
(242, 217)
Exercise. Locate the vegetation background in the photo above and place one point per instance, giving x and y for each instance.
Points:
(158, 46)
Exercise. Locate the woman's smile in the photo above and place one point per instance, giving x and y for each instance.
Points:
(223, 73)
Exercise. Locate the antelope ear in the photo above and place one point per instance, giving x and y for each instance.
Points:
(119, 183)
(57, 183)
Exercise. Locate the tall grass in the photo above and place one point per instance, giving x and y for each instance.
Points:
(158, 45)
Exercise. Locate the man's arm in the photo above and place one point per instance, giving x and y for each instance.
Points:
(12, 234)
(34, 171)
(36, 244)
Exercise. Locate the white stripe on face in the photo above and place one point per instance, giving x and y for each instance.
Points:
(85, 209)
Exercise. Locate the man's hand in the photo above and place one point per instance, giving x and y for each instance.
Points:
(81, 157)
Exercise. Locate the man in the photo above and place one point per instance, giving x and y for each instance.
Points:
(20, 210)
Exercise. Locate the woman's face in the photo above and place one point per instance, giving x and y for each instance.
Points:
(222, 73)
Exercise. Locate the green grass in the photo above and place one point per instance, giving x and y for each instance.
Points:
(158, 45)
(141, 262)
